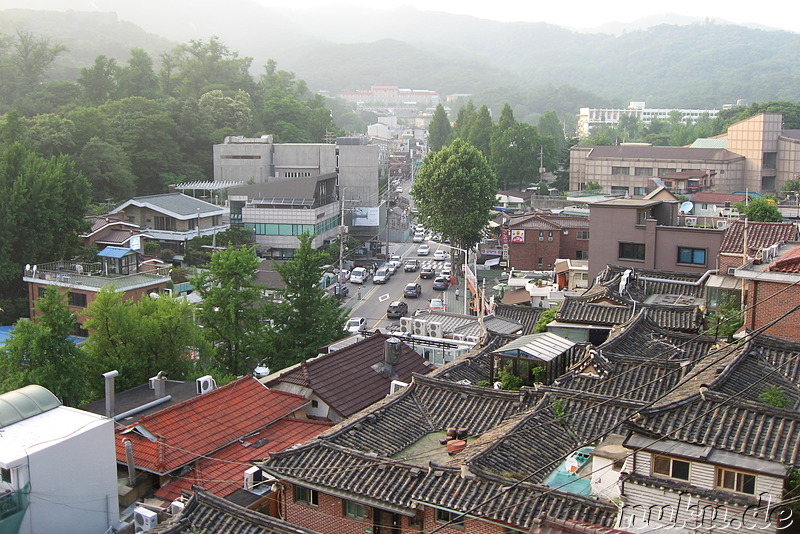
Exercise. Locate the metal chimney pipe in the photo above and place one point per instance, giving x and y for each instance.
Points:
(109, 378)
(131, 467)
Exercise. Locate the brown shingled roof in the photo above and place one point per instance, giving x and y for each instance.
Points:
(662, 152)
(759, 235)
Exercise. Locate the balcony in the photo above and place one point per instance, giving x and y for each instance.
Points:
(92, 276)
(13, 505)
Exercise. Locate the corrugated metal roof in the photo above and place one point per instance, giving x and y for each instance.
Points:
(114, 252)
(545, 346)
(25, 402)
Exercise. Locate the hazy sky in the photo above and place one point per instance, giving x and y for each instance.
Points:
(583, 13)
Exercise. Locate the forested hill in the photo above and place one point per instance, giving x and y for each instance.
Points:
(533, 66)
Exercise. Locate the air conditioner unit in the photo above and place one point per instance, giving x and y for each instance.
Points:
(458, 337)
(472, 339)
(419, 327)
(406, 325)
(435, 330)
(252, 478)
(144, 519)
(722, 224)
(205, 384)
(396, 386)
(690, 221)
(732, 271)
(176, 507)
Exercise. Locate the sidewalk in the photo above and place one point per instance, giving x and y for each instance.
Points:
(450, 303)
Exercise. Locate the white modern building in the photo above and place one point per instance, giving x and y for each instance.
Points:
(58, 468)
(591, 118)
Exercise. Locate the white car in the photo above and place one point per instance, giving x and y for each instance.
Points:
(423, 250)
(419, 237)
(446, 273)
(359, 275)
(447, 265)
(440, 255)
(356, 325)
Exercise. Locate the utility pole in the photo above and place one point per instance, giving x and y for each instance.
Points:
(342, 232)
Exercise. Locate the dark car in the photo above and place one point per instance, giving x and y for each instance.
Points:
(412, 290)
(397, 309)
(441, 283)
(427, 272)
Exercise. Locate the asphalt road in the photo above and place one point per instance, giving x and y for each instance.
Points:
(375, 298)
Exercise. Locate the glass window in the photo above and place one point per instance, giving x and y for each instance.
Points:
(77, 300)
(643, 171)
(662, 172)
(306, 495)
(454, 519)
(670, 467)
(694, 256)
(620, 170)
(639, 191)
(736, 481)
(5, 475)
(583, 235)
(354, 510)
(631, 251)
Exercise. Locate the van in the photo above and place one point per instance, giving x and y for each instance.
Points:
(359, 275)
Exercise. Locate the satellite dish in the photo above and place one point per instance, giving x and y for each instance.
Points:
(687, 206)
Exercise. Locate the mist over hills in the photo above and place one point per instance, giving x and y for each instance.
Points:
(533, 66)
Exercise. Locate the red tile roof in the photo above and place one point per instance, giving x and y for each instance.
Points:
(222, 473)
(717, 198)
(787, 263)
(345, 380)
(759, 235)
(204, 424)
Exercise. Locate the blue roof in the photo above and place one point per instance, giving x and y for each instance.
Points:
(5, 333)
(114, 252)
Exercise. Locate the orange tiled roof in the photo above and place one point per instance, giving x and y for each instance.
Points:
(204, 424)
(787, 263)
(222, 472)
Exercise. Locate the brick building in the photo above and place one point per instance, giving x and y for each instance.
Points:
(537, 241)
(772, 291)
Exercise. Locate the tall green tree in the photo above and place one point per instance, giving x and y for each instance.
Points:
(306, 318)
(99, 81)
(42, 353)
(233, 313)
(439, 129)
(42, 208)
(107, 168)
(141, 338)
(480, 131)
(27, 59)
(549, 125)
(466, 115)
(760, 210)
(137, 77)
(454, 191)
(515, 155)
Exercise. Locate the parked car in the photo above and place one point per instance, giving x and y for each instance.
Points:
(355, 325)
(412, 290)
(441, 283)
(423, 250)
(381, 276)
(437, 305)
(396, 257)
(390, 266)
(419, 237)
(427, 272)
(344, 276)
(397, 309)
(359, 275)
(439, 255)
(446, 273)
(411, 266)
(394, 265)
(447, 265)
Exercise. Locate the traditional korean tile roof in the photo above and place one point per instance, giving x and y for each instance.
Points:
(525, 315)
(206, 512)
(641, 335)
(787, 263)
(473, 367)
(180, 434)
(642, 283)
(583, 310)
(709, 197)
(520, 504)
(780, 353)
(345, 379)
(222, 472)
(759, 235)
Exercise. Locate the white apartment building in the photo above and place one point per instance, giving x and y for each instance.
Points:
(591, 118)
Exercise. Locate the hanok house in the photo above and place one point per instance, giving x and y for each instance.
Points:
(210, 439)
(82, 281)
(113, 230)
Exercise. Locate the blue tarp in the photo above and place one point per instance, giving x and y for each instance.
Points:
(115, 252)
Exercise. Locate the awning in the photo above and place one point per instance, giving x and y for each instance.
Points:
(491, 262)
(723, 282)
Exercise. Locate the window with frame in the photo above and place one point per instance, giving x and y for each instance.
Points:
(306, 496)
(662, 172)
(454, 519)
(168, 223)
(583, 235)
(581, 254)
(670, 467)
(737, 481)
(620, 170)
(640, 191)
(643, 171)
(5, 475)
(631, 251)
(77, 300)
(694, 256)
(354, 510)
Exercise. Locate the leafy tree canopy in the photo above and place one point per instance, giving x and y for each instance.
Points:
(760, 210)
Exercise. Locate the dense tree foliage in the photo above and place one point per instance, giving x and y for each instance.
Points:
(760, 210)
(42, 352)
(439, 129)
(455, 190)
(306, 318)
(42, 208)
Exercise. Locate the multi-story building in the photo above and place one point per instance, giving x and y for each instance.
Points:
(57, 466)
(279, 211)
(590, 119)
(760, 156)
(392, 94)
(120, 267)
(537, 241)
(649, 234)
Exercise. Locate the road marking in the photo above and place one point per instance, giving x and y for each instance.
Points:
(384, 297)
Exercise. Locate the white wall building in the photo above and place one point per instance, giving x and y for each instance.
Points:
(591, 118)
(57, 466)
